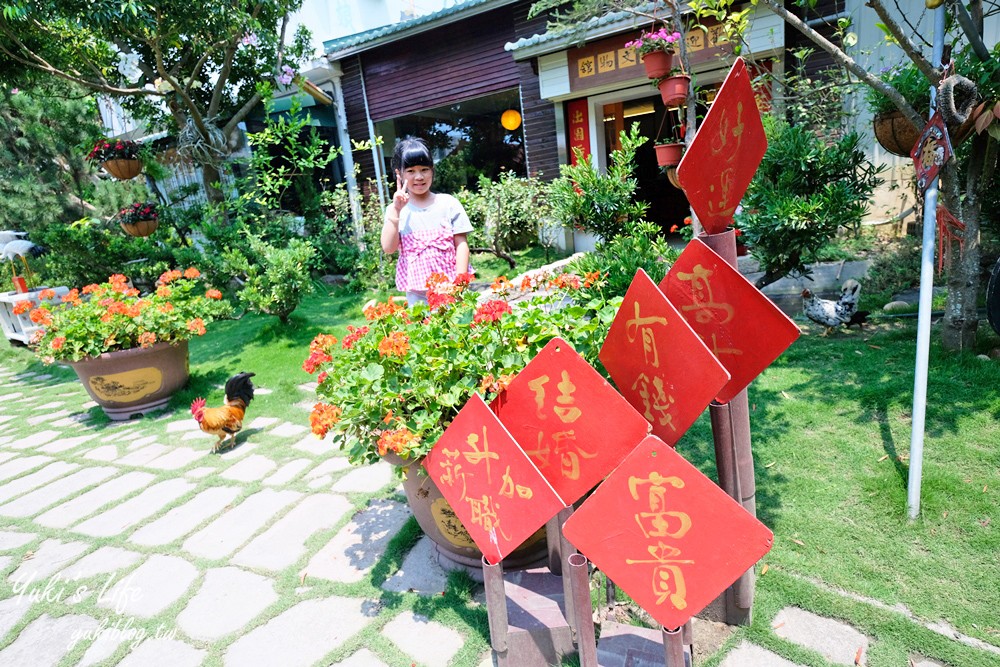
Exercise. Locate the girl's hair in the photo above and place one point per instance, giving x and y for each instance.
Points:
(411, 152)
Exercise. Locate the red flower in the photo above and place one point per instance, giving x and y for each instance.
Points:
(58, 342)
(396, 344)
(354, 336)
(197, 325)
(437, 300)
(192, 273)
(21, 307)
(322, 343)
(314, 360)
(147, 339)
(41, 317)
(213, 294)
(72, 298)
(491, 311)
(169, 276)
(323, 417)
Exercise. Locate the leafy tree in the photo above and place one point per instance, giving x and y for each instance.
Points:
(198, 68)
(505, 213)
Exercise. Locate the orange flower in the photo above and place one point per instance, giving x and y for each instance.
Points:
(147, 339)
(92, 288)
(163, 291)
(398, 440)
(380, 311)
(119, 283)
(436, 279)
(169, 276)
(396, 344)
(47, 294)
(564, 281)
(197, 325)
(58, 342)
(213, 294)
(673, 228)
(501, 285)
(322, 343)
(72, 298)
(21, 307)
(323, 417)
(192, 273)
(356, 333)
(591, 278)
(491, 311)
(165, 307)
(316, 357)
(490, 384)
(41, 317)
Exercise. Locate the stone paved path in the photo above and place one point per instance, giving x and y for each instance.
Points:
(131, 544)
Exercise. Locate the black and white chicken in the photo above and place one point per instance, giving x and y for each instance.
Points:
(832, 314)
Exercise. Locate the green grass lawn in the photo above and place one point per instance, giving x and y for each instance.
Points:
(831, 437)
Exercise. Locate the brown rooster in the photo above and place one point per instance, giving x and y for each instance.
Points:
(228, 419)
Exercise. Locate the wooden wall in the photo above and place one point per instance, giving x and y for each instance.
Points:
(541, 147)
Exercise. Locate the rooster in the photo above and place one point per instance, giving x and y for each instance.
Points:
(228, 419)
(832, 314)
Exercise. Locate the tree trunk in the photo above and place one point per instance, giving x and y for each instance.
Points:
(211, 179)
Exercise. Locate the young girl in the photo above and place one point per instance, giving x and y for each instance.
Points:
(429, 229)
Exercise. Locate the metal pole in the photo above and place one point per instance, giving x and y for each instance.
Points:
(586, 643)
(673, 647)
(924, 315)
(496, 605)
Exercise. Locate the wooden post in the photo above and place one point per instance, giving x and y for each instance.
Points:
(734, 454)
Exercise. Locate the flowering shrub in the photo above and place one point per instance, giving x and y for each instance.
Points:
(138, 211)
(113, 316)
(118, 149)
(658, 40)
(395, 384)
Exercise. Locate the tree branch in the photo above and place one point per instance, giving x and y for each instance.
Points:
(909, 48)
(848, 63)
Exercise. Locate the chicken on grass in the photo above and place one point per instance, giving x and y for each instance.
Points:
(227, 420)
(831, 314)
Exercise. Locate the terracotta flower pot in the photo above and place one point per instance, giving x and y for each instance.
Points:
(895, 133)
(669, 155)
(140, 228)
(674, 90)
(657, 64)
(135, 381)
(123, 170)
(455, 547)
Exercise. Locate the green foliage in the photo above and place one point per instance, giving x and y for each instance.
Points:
(332, 232)
(895, 268)
(911, 84)
(804, 190)
(617, 260)
(275, 277)
(585, 198)
(395, 384)
(505, 212)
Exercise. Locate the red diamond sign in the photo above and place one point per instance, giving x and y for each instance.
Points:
(571, 422)
(666, 534)
(658, 362)
(741, 326)
(491, 484)
(724, 155)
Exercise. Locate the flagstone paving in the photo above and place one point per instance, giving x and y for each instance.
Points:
(131, 544)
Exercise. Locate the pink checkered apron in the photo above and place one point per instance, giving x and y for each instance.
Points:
(423, 253)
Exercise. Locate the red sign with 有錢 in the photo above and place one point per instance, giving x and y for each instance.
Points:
(491, 484)
(569, 420)
(724, 155)
(741, 326)
(669, 537)
(658, 362)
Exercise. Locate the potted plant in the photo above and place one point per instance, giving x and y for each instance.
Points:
(119, 157)
(129, 350)
(390, 388)
(894, 131)
(139, 218)
(674, 87)
(656, 49)
(670, 150)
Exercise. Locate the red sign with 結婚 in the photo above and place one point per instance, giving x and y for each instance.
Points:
(571, 422)
(658, 362)
(741, 326)
(724, 155)
(666, 533)
(491, 484)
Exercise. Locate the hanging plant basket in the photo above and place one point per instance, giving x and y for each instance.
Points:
(669, 155)
(123, 170)
(657, 64)
(140, 228)
(674, 90)
(895, 133)
(672, 177)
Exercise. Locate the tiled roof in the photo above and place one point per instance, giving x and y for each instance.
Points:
(559, 40)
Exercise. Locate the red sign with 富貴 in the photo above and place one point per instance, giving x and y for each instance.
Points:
(669, 536)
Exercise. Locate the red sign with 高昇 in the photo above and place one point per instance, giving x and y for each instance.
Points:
(666, 534)
(491, 484)
(741, 326)
(571, 422)
(719, 163)
(658, 362)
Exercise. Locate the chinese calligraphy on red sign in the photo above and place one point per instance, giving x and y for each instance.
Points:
(578, 121)
(573, 424)
(658, 362)
(494, 489)
(717, 167)
(931, 151)
(741, 326)
(677, 540)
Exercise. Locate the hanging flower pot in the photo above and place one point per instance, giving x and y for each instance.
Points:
(123, 170)
(657, 64)
(140, 227)
(895, 133)
(672, 177)
(669, 155)
(674, 89)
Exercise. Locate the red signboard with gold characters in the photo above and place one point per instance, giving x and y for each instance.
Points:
(669, 537)
(658, 362)
(717, 167)
(741, 326)
(491, 484)
(571, 422)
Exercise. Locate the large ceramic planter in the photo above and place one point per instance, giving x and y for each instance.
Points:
(674, 90)
(657, 64)
(455, 547)
(123, 170)
(895, 133)
(136, 381)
